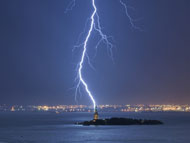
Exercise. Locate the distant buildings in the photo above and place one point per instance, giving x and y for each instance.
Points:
(102, 108)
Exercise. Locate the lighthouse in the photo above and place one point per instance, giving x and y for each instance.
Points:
(95, 114)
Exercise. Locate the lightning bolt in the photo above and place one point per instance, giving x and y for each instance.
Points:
(96, 26)
(83, 56)
(70, 6)
(131, 20)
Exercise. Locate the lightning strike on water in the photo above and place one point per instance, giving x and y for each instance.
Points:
(96, 26)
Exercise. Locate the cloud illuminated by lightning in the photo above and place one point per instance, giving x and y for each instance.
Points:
(96, 26)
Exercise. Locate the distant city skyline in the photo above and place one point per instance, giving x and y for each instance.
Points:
(100, 108)
(150, 66)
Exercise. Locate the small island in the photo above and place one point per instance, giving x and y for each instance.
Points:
(120, 121)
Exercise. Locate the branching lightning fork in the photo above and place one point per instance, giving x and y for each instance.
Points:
(96, 26)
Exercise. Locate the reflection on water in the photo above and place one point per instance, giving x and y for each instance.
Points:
(52, 128)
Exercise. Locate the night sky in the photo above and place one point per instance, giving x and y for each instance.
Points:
(37, 65)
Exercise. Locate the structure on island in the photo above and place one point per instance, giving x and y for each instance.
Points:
(118, 121)
(95, 114)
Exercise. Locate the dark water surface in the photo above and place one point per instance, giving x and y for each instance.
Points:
(59, 128)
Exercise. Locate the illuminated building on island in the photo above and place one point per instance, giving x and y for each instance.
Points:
(95, 114)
